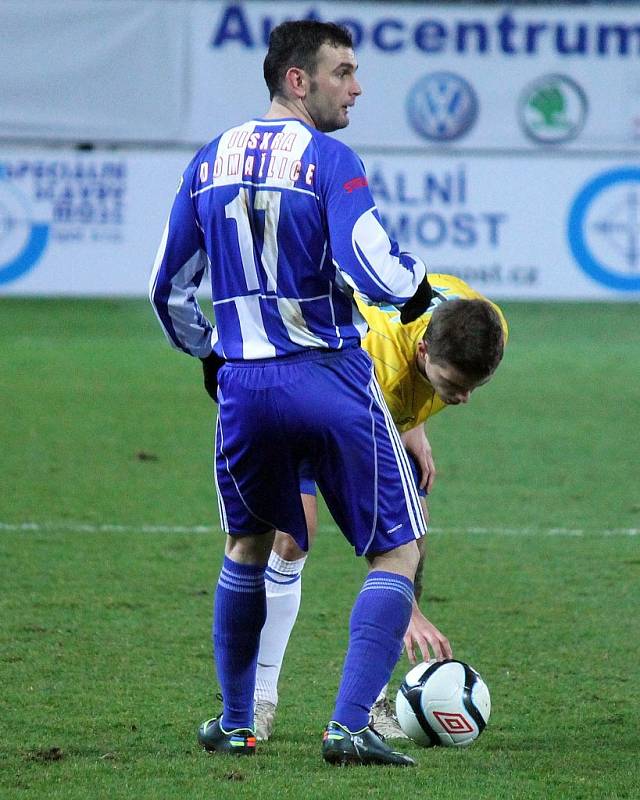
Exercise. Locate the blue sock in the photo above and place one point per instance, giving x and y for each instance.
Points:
(239, 614)
(379, 621)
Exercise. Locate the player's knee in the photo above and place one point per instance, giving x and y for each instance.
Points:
(254, 549)
(285, 546)
(402, 560)
(411, 557)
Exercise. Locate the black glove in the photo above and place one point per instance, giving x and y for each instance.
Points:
(417, 304)
(210, 366)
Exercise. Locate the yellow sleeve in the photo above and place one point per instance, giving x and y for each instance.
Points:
(503, 320)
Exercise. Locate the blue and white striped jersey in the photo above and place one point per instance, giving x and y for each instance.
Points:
(283, 217)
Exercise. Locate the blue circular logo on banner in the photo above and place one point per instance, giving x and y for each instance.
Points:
(442, 106)
(604, 229)
(22, 240)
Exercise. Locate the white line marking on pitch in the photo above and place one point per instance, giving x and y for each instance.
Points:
(89, 527)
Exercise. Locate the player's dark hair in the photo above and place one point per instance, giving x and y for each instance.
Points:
(296, 44)
(466, 334)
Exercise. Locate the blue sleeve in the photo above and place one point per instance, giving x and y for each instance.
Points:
(362, 252)
(180, 264)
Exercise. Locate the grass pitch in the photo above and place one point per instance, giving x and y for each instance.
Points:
(109, 551)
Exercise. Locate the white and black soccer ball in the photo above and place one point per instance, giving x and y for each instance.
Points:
(443, 703)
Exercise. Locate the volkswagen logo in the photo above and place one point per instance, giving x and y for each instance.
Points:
(442, 106)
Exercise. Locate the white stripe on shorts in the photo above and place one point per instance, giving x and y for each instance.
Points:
(406, 475)
(221, 506)
(374, 441)
(411, 495)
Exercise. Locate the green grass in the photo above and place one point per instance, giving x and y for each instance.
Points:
(104, 642)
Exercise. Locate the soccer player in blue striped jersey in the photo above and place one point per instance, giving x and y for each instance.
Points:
(282, 217)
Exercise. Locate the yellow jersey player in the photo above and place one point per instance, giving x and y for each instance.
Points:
(422, 367)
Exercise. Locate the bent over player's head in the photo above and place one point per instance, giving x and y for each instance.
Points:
(461, 348)
(312, 64)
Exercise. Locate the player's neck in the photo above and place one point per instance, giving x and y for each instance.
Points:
(284, 107)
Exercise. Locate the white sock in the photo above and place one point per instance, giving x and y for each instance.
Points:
(283, 585)
(383, 693)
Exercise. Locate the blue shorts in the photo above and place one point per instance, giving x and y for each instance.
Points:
(308, 481)
(326, 407)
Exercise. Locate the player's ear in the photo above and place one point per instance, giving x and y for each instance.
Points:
(422, 352)
(295, 81)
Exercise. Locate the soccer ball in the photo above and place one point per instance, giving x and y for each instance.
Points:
(443, 703)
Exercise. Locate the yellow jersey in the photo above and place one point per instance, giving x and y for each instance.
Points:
(392, 347)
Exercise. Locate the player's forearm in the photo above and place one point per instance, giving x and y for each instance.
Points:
(185, 327)
(179, 267)
(172, 294)
(413, 439)
(373, 264)
(398, 279)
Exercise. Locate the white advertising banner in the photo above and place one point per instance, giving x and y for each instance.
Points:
(517, 227)
(434, 76)
(93, 70)
(471, 77)
(82, 224)
(513, 227)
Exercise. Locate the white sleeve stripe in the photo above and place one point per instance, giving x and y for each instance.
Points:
(158, 261)
(371, 245)
(182, 307)
(184, 311)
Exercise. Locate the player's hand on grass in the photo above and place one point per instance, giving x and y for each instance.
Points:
(417, 444)
(423, 636)
(210, 366)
